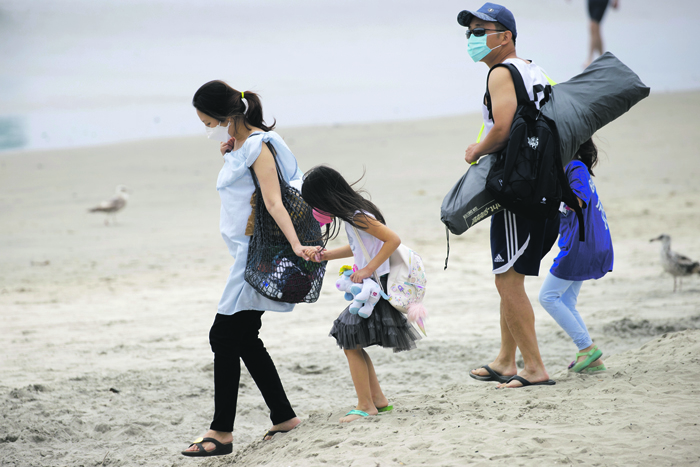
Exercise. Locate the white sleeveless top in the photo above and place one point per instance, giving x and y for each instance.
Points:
(532, 76)
(372, 244)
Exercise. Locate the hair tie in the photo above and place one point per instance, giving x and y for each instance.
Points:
(242, 95)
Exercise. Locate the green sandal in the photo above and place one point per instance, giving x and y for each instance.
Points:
(593, 355)
(591, 370)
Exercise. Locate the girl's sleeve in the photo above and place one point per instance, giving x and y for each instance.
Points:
(579, 181)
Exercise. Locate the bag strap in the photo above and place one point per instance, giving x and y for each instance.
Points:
(368, 258)
(568, 195)
(520, 91)
(272, 149)
(447, 232)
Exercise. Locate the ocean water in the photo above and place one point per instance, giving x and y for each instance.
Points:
(90, 72)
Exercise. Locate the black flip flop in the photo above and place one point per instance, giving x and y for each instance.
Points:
(272, 433)
(220, 449)
(526, 383)
(492, 376)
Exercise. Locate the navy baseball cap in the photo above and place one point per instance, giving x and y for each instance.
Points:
(490, 12)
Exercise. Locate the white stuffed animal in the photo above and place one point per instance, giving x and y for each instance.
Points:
(363, 296)
(364, 301)
(344, 284)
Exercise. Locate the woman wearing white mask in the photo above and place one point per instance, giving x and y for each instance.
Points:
(235, 119)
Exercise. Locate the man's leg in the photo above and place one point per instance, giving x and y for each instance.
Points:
(505, 361)
(506, 355)
(520, 321)
(503, 226)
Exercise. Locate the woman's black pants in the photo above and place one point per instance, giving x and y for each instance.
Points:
(232, 338)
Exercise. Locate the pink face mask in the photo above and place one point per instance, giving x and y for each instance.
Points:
(322, 217)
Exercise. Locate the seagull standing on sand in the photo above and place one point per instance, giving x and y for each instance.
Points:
(114, 205)
(675, 264)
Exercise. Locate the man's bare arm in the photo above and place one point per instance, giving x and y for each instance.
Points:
(503, 106)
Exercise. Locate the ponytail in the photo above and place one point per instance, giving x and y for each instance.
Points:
(254, 113)
(220, 101)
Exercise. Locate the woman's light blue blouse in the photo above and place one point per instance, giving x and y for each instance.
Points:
(235, 186)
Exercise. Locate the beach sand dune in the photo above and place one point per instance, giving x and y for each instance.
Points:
(104, 355)
(638, 413)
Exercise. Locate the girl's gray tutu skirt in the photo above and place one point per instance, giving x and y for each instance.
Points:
(386, 327)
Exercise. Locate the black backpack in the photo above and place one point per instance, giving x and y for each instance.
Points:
(527, 177)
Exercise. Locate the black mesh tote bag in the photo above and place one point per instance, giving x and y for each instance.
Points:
(273, 269)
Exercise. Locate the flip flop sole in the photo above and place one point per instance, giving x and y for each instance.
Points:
(492, 376)
(272, 433)
(525, 383)
(592, 370)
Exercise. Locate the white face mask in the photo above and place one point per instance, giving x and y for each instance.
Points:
(219, 133)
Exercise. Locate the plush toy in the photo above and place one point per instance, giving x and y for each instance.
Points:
(363, 296)
(344, 283)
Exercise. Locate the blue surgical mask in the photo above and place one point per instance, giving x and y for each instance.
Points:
(477, 48)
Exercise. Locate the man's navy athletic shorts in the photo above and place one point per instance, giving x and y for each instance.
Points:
(520, 243)
(596, 9)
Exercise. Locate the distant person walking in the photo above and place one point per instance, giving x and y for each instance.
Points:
(517, 243)
(235, 119)
(579, 261)
(596, 11)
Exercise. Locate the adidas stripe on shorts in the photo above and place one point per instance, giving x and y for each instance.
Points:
(520, 243)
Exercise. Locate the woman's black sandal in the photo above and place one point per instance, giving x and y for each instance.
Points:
(220, 449)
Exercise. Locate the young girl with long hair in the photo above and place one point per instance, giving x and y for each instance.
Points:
(328, 192)
(235, 119)
(579, 261)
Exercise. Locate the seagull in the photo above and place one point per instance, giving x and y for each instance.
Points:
(114, 205)
(675, 264)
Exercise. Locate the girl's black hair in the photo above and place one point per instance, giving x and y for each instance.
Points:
(588, 154)
(220, 101)
(324, 189)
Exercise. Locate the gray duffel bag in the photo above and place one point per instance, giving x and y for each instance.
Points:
(468, 202)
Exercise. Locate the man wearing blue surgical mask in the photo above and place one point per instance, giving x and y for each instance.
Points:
(517, 244)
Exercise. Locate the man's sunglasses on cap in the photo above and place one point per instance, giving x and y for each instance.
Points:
(478, 32)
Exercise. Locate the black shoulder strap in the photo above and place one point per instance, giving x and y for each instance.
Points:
(279, 171)
(568, 195)
(520, 91)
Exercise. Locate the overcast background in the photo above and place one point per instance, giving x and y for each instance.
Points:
(83, 72)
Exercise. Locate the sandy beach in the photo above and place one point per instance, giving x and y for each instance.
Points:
(104, 354)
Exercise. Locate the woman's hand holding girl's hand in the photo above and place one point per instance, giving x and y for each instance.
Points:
(300, 251)
(227, 146)
(362, 274)
(320, 254)
(314, 253)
